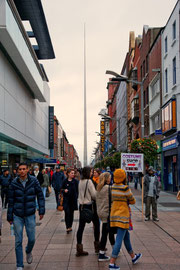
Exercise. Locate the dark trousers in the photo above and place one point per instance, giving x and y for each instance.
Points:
(82, 224)
(104, 235)
(149, 201)
(69, 216)
(4, 196)
(57, 197)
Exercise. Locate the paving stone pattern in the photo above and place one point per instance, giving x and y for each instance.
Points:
(54, 249)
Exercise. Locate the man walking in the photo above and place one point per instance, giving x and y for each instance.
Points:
(21, 211)
(57, 182)
(151, 194)
(5, 180)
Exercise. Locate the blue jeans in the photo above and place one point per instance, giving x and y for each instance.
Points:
(122, 234)
(44, 191)
(30, 225)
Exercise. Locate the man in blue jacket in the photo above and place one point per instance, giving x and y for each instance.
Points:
(5, 180)
(21, 211)
(57, 182)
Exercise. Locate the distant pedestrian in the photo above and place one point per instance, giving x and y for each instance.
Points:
(5, 181)
(57, 182)
(70, 195)
(103, 202)
(108, 169)
(95, 177)
(14, 173)
(87, 194)
(21, 211)
(45, 184)
(38, 175)
(136, 177)
(151, 194)
(120, 217)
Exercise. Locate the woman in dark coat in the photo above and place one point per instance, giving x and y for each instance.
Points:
(70, 195)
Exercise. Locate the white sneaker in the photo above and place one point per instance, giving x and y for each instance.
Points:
(29, 258)
(19, 268)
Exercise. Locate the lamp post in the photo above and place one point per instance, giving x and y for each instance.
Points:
(123, 78)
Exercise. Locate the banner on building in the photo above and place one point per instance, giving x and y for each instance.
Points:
(51, 127)
(132, 162)
(102, 131)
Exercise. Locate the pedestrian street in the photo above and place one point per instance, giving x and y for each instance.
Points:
(54, 249)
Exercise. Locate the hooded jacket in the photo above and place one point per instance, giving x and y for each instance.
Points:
(121, 198)
(22, 201)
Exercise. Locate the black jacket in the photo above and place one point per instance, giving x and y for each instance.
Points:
(5, 181)
(70, 198)
(57, 180)
(22, 201)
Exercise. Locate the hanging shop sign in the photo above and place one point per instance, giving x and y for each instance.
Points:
(51, 127)
(102, 131)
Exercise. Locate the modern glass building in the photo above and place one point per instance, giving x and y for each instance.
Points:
(24, 90)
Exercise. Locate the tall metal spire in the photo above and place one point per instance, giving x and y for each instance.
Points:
(85, 110)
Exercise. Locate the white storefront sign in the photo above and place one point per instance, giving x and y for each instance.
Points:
(132, 162)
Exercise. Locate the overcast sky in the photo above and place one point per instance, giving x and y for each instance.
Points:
(108, 24)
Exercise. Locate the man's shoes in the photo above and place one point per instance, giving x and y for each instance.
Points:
(147, 219)
(19, 268)
(155, 219)
(103, 257)
(136, 258)
(114, 267)
(29, 258)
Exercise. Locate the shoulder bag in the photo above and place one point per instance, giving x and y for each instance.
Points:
(86, 214)
(109, 228)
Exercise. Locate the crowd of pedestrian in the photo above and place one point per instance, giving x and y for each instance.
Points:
(102, 197)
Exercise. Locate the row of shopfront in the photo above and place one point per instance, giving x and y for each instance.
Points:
(168, 162)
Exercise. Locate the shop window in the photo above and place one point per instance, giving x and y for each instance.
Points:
(169, 116)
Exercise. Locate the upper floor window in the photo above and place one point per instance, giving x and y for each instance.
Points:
(155, 89)
(166, 80)
(169, 116)
(174, 30)
(165, 45)
(174, 70)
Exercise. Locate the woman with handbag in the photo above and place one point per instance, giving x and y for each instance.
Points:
(70, 195)
(87, 194)
(103, 202)
(120, 217)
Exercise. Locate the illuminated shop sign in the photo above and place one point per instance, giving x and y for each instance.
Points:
(169, 144)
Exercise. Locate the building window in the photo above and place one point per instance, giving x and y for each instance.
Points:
(156, 122)
(144, 71)
(147, 96)
(141, 74)
(169, 116)
(165, 45)
(147, 64)
(155, 89)
(166, 80)
(174, 31)
(174, 70)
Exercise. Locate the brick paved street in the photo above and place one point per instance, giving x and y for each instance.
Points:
(54, 249)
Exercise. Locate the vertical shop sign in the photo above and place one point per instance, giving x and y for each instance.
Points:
(51, 127)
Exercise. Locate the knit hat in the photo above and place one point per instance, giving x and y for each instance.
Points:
(119, 176)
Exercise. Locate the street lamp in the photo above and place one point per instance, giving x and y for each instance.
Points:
(123, 78)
